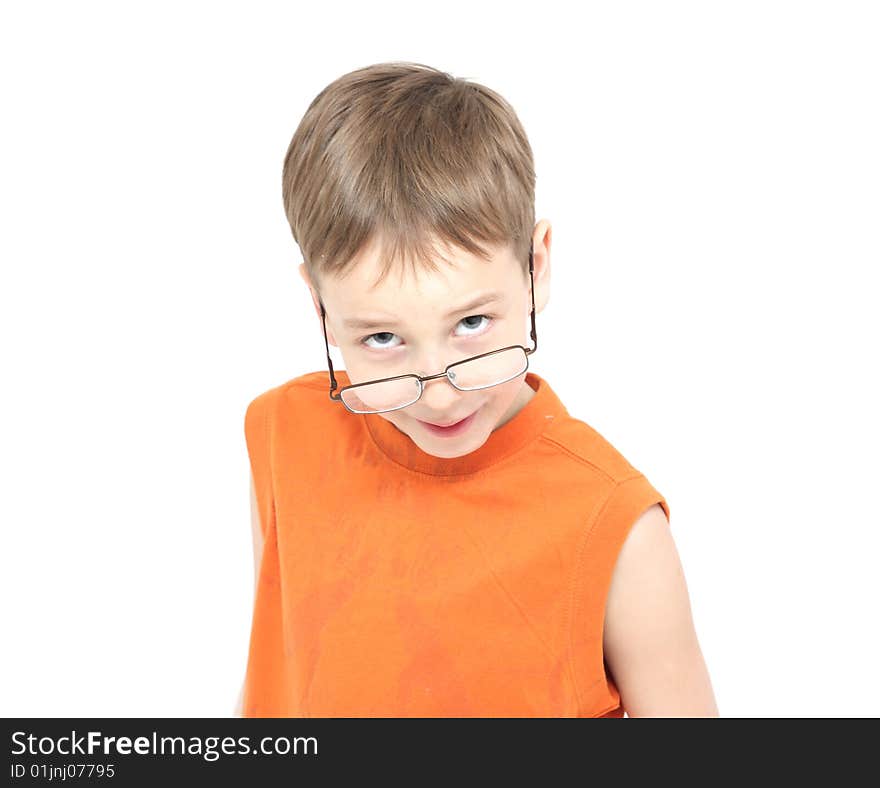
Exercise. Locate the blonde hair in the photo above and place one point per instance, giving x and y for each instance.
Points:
(406, 155)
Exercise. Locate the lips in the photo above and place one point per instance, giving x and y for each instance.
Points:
(445, 424)
(450, 429)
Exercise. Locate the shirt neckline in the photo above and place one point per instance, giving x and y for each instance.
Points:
(525, 427)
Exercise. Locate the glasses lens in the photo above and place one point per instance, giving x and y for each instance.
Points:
(489, 370)
(385, 395)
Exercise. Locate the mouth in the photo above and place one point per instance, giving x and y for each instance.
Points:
(450, 429)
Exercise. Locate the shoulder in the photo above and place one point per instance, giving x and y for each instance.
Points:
(619, 492)
(300, 387)
(292, 420)
(584, 443)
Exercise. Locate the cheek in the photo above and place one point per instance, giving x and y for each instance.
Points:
(358, 372)
(500, 398)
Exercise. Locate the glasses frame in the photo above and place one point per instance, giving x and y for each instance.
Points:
(422, 379)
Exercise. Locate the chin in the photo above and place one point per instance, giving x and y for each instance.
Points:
(450, 453)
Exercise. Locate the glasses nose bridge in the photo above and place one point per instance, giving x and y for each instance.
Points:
(426, 378)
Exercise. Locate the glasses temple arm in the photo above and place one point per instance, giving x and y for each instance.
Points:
(532, 279)
(333, 384)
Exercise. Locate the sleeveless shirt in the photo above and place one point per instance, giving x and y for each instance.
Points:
(394, 583)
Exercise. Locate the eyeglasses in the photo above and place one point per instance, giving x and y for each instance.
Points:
(470, 374)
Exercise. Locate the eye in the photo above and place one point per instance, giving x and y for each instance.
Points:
(475, 317)
(382, 344)
(384, 338)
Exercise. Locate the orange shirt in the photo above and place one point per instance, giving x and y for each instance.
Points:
(394, 583)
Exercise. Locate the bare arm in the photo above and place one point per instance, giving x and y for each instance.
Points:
(650, 644)
(258, 556)
(257, 529)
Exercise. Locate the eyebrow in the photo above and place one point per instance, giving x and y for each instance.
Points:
(480, 300)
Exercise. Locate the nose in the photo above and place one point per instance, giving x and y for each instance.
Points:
(439, 396)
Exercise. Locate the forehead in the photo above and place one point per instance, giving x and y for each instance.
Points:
(468, 281)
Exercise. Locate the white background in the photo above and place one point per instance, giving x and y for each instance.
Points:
(711, 171)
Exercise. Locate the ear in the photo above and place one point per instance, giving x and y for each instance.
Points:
(304, 275)
(541, 241)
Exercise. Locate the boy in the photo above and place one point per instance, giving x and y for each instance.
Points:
(434, 534)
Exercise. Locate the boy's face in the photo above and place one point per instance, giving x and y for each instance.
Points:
(417, 326)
